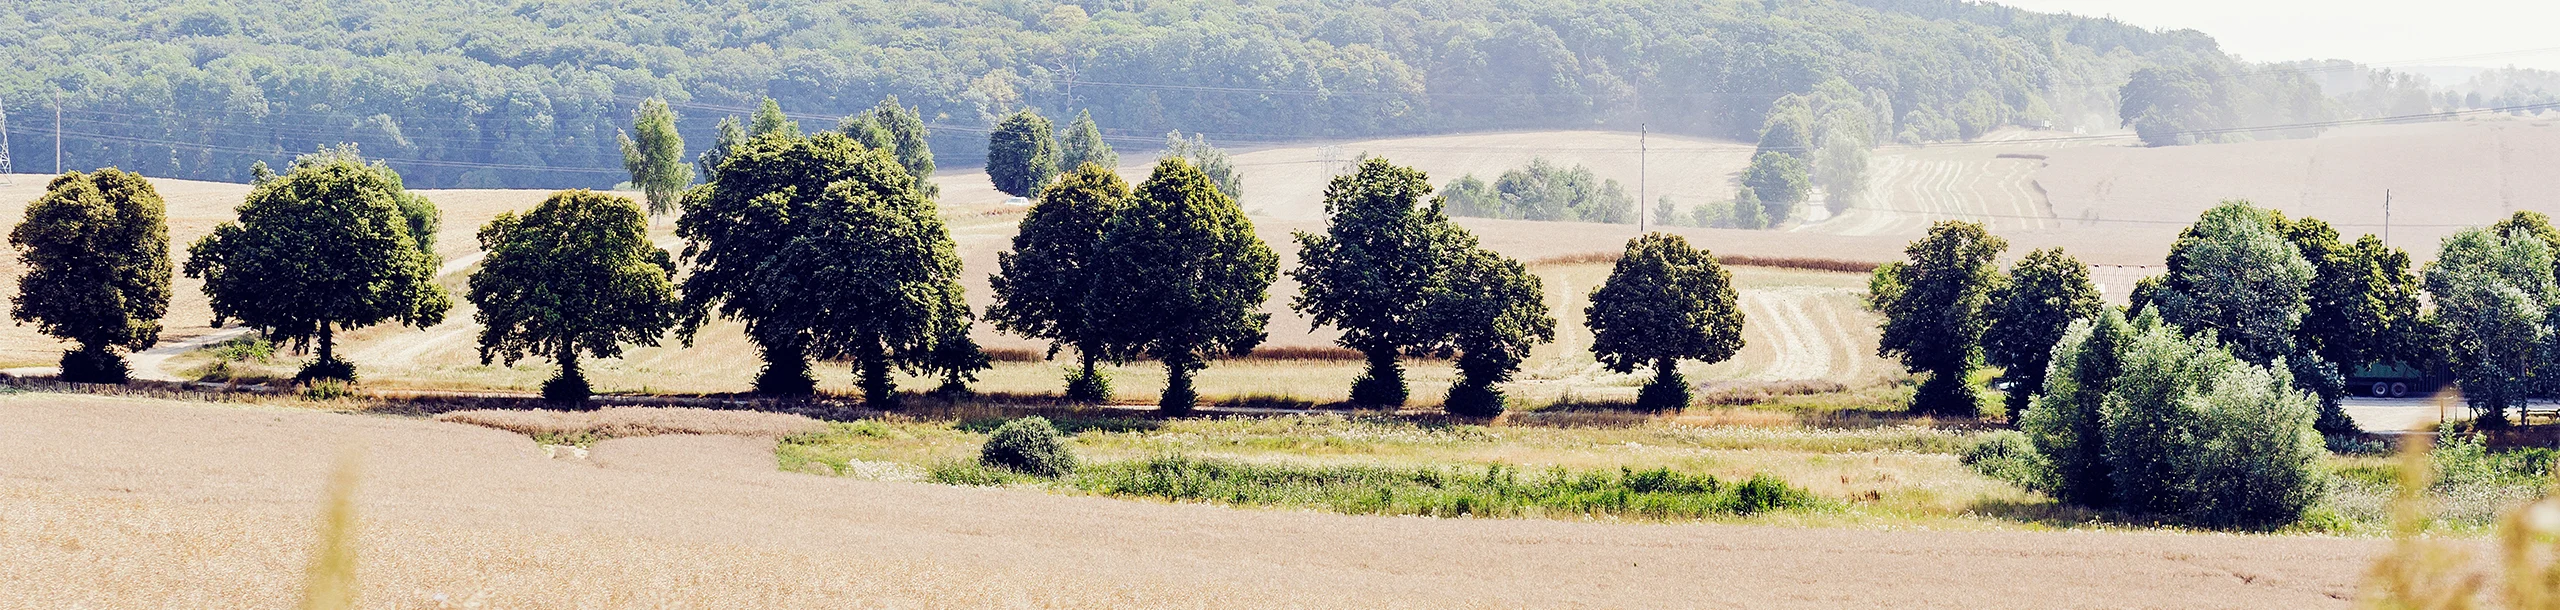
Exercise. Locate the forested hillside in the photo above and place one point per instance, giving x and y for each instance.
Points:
(503, 93)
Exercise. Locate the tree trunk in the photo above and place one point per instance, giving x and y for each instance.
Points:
(1178, 396)
(878, 391)
(327, 343)
(1383, 384)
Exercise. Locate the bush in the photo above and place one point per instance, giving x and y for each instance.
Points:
(1029, 446)
(1493, 491)
(327, 369)
(1093, 388)
(94, 366)
(1471, 400)
(567, 389)
(2009, 457)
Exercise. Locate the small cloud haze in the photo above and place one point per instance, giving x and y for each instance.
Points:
(2476, 33)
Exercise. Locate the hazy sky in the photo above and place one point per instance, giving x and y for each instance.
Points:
(2395, 31)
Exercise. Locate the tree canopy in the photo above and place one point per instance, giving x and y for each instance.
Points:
(1780, 181)
(655, 157)
(1084, 144)
(574, 276)
(1368, 273)
(1045, 285)
(1494, 311)
(901, 131)
(1022, 154)
(824, 249)
(1543, 190)
(1183, 278)
(1664, 302)
(1933, 305)
(96, 252)
(2044, 294)
(326, 246)
(2494, 297)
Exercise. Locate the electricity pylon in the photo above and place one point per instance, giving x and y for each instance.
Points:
(5, 168)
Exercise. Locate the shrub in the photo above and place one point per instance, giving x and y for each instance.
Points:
(1029, 446)
(327, 369)
(567, 388)
(2009, 457)
(1494, 491)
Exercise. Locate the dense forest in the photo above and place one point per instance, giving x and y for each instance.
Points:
(530, 93)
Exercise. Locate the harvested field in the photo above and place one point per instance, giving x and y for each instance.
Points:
(135, 503)
(627, 422)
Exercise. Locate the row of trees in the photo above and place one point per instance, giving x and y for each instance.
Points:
(1542, 190)
(490, 98)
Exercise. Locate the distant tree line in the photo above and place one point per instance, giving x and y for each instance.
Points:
(535, 94)
(1542, 191)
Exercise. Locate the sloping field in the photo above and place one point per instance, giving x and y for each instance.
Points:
(117, 503)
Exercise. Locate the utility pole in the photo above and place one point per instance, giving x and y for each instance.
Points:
(57, 132)
(1641, 202)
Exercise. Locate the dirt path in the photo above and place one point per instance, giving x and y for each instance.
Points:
(130, 503)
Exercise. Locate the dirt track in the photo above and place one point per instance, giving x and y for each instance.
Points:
(129, 503)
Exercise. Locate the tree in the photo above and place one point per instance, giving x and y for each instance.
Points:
(1211, 160)
(899, 130)
(1933, 306)
(96, 251)
(2045, 293)
(2196, 433)
(1022, 155)
(2233, 273)
(2066, 419)
(1788, 129)
(707, 165)
(769, 120)
(656, 158)
(1780, 182)
(2494, 299)
(324, 247)
(2531, 222)
(1493, 312)
(1367, 274)
(1664, 302)
(824, 249)
(1083, 144)
(1044, 286)
(1183, 279)
(2362, 303)
(1840, 165)
(1747, 211)
(576, 275)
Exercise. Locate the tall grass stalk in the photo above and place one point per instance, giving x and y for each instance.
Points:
(330, 582)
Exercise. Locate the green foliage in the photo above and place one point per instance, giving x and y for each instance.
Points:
(2010, 457)
(656, 158)
(1788, 129)
(546, 83)
(1664, 302)
(2494, 298)
(323, 247)
(1543, 191)
(2235, 274)
(576, 275)
(1083, 144)
(1182, 279)
(2534, 223)
(1368, 272)
(769, 120)
(1494, 312)
(1495, 491)
(1022, 154)
(2362, 302)
(2184, 102)
(1044, 285)
(1747, 211)
(96, 252)
(2066, 420)
(731, 136)
(2045, 293)
(1211, 160)
(2195, 433)
(1779, 181)
(1933, 306)
(901, 131)
(1030, 446)
(824, 248)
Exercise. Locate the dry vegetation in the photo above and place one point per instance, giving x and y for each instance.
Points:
(625, 422)
(124, 503)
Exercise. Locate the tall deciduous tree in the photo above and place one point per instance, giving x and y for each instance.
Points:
(1664, 302)
(1022, 154)
(1083, 144)
(1780, 182)
(655, 157)
(96, 251)
(1368, 272)
(901, 131)
(2495, 299)
(769, 119)
(1493, 312)
(327, 246)
(576, 275)
(824, 249)
(2045, 293)
(2234, 273)
(1183, 279)
(1933, 306)
(2362, 303)
(2532, 223)
(1043, 287)
(732, 135)
(1212, 161)
(1747, 211)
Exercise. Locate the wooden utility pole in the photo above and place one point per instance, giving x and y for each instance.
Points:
(2386, 218)
(57, 132)
(1641, 202)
